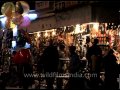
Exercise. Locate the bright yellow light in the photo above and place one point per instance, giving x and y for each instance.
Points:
(95, 26)
(77, 29)
(53, 33)
(119, 33)
(38, 34)
(72, 32)
(46, 34)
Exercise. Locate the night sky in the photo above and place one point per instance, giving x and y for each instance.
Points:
(31, 4)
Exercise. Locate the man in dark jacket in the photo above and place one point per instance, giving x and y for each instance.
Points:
(50, 61)
(94, 56)
(111, 70)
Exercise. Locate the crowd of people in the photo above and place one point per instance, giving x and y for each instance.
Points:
(48, 61)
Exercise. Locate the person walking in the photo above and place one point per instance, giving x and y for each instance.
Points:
(50, 61)
(74, 82)
(61, 64)
(94, 57)
(111, 70)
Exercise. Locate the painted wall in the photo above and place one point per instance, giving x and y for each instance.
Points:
(83, 14)
(71, 17)
(43, 24)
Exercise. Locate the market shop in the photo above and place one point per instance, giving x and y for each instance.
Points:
(82, 25)
(81, 35)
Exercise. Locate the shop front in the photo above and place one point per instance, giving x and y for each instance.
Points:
(80, 26)
(89, 22)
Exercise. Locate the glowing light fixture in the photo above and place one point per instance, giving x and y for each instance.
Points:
(46, 34)
(38, 34)
(95, 26)
(14, 44)
(77, 29)
(53, 33)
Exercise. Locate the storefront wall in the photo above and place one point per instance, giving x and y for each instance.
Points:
(76, 16)
(81, 15)
(73, 17)
(43, 24)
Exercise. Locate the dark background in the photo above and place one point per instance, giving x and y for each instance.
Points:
(31, 4)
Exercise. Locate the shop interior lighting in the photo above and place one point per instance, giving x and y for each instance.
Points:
(92, 23)
(96, 26)
(53, 33)
(77, 29)
(31, 33)
(38, 34)
(119, 33)
(46, 34)
(64, 28)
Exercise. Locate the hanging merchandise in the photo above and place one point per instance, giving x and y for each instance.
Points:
(87, 30)
(69, 29)
(59, 31)
(101, 28)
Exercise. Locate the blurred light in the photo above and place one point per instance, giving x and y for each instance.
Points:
(77, 29)
(27, 45)
(32, 16)
(1, 16)
(3, 20)
(31, 11)
(15, 31)
(96, 26)
(72, 32)
(38, 34)
(31, 33)
(46, 34)
(53, 33)
(119, 33)
(14, 44)
(64, 28)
